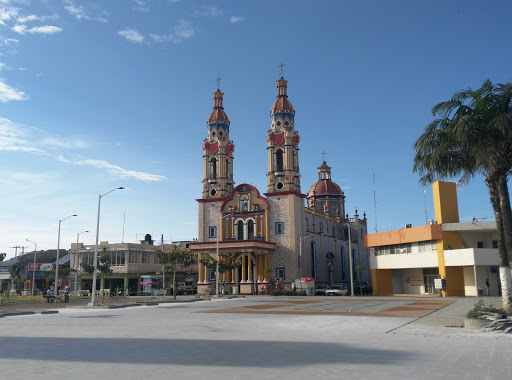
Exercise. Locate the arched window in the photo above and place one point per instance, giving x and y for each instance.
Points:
(321, 227)
(313, 260)
(362, 234)
(250, 230)
(240, 230)
(213, 168)
(333, 231)
(307, 224)
(279, 160)
(342, 263)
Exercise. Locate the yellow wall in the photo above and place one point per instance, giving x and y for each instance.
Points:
(382, 281)
(405, 235)
(455, 282)
(445, 202)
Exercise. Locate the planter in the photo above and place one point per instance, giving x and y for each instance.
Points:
(475, 324)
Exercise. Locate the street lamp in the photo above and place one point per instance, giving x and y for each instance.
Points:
(34, 268)
(350, 264)
(57, 262)
(77, 260)
(300, 254)
(94, 275)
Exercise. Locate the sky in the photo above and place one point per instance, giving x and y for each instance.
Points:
(96, 95)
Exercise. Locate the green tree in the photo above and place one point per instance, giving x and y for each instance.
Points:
(473, 135)
(171, 259)
(103, 269)
(2, 256)
(211, 263)
(16, 271)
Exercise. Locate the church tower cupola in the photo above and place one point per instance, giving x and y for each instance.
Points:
(283, 145)
(325, 196)
(218, 152)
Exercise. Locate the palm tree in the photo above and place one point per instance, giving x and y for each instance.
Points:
(473, 136)
(15, 271)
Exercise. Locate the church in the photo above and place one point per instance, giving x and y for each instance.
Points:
(282, 233)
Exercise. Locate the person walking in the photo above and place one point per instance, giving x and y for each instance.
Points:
(66, 294)
(487, 285)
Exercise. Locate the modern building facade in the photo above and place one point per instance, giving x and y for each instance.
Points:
(275, 234)
(130, 263)
(463, 255)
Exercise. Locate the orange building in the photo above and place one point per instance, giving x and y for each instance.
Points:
(463, 255)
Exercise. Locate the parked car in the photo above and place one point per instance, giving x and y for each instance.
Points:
(320, 290)
(366, 286)
(337, 290)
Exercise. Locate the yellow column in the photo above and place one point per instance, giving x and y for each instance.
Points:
(244, 276)
(249, 265)
(233, 273)
(206, 278)
(267, 264)
(267, 226)
(201, 273)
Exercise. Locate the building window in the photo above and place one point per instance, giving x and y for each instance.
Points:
(345, 234)
(213, 168)
(321, 227)
(354, 264)
(117, 259)
(279, 228)
(228, 173)
(313, 259)
(279, 160)
(212, 231)
(240, 230)
(495, 243)
(362, 234)
(250, 230)
(145, 258)
(307, 224)
(280, 273)
(480, 244)
(211, 275)
(333, 231)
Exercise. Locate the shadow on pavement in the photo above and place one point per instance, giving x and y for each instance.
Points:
(195, 352)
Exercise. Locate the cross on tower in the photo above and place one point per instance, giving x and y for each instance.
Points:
(282, 66)
(323, 155)
(218, 82)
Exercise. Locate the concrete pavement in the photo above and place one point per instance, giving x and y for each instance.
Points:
(190, 340)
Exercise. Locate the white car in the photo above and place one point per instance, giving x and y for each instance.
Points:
(337, 290)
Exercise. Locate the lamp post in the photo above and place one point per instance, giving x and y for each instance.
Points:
(300, 254)
(77, 260)
(57, 262)
(350, 264)
(94, 274)
(34, 268)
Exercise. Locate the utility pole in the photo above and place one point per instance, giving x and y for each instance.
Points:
(16, 252)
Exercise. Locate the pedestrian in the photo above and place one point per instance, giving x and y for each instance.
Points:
(66, 294)
(293, 286)
(487, 285)
(281, 284)
(223, 291)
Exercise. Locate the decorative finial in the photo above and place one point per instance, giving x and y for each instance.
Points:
(282, 66)
(323, 155)
(218, 82)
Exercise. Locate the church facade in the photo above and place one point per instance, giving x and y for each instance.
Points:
(282, 233)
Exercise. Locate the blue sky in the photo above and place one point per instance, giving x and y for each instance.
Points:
(100, 94)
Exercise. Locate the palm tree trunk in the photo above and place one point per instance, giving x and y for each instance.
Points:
(505, 275)
(506, 214)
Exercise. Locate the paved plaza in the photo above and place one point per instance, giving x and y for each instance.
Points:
(255, 338)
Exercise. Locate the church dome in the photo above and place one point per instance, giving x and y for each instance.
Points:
(324, 185)
(218, 116)
(282, 104)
